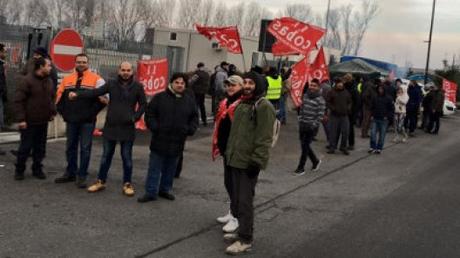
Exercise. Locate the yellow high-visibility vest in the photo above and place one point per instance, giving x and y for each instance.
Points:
(360, 88)
(274, 88)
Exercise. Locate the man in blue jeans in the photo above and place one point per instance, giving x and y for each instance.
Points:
(382, 110)
(80, 117)
(171, 116)
(126, 107)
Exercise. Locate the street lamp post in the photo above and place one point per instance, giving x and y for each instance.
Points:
(429, 43)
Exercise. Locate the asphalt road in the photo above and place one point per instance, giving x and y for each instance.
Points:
(403, 203)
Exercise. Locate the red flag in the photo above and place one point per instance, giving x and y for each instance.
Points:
(153, 74)
(226, 36)
(299, 77)
(319, 69)
(296, 35)
(280, 49)
(450, 89)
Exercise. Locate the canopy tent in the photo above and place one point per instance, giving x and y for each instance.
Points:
(357, 67)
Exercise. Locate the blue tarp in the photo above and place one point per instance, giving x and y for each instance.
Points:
(383, 65)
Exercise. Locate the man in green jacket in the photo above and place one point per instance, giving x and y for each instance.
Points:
(247, 153)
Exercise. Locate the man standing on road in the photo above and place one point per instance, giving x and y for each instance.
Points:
(382, 111)
(200, 84)
(219, 78)
(34, 108)
(339, 104)
(310, 117)
(351, 87)
(171, 116)
(368, 95)
(3, 89)
(437, 106)
(125, 94)
(80, 117)
(413, 106)
(247, 153)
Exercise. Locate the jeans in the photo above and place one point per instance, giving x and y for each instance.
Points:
(33, 138)
(201, 107)
(83, 133)
(180, 160)
(282, 112)
(161, 172)
(126, 150)
(306, 138)
(243, 195)
(339, 126)
(378, 126)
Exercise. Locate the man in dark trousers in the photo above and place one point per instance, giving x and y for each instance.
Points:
(200, 84)
(34, 108)
(80, 117)
(350, 86)
(247, 153)
(412, 107)
(126, 106)
(3, 89)
(436, 109)
(339, 105)
(171, 116)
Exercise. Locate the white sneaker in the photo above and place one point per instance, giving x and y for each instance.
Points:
(225, 219)
(230, 237)
(231, 226)
(238, 248)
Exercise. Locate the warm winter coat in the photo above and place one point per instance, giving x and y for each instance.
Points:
(382, 107)
(251, 133)
(3, 88)
(438, 101)
(171, 119)
(200, 82)
(122, 111)
(312, 110)
(34, 100)
(339, 102)
(368, 95)
(29, 68)
(415, 98)
(82, 110)
(401, 102)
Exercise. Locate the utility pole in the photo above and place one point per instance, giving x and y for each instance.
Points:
(429, 43)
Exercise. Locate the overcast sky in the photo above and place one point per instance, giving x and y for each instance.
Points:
(397, 34)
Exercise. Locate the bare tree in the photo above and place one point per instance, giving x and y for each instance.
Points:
(235, 15)
(301, 12)
(219, 14)
(188, 14)
(123, 19)
(206, 12)
(37, 13)
(369, 10)
(345, 14)
(333, 37)
(256, 13)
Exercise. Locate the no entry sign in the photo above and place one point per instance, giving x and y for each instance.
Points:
(64, 47)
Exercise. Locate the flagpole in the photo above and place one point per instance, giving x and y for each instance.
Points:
(242, 52)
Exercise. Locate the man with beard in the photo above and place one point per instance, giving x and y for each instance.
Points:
(34, 108)
(80, 117)
(126, 106)
(247, 153)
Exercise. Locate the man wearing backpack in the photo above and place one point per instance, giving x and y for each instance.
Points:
(247, 152)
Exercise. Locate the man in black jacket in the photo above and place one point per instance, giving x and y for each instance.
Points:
(125, 94)
(171, 116)
(382, 110)
(41, 52)
(200, 84)
(3, 89)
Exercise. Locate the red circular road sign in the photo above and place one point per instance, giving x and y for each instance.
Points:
(64, 47)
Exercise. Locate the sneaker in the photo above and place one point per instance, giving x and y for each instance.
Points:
(378, 151)
(81, 182)
(231, 226)
(39, 174)
(316, 166)
(128, 189)
(231, 237)
(299, 171)
(146, 198)
(345, 152)
(167, 196)
(370, 151)
(98, 186)
(404, 140)
(238, 248)
(19, 176)
(225, 219)
(65, 179)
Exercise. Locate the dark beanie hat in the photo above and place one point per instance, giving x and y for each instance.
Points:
(41, 51)
(258, 80)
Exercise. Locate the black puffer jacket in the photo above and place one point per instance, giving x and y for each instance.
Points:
(171, 119)
(382, 106)
(121, 112)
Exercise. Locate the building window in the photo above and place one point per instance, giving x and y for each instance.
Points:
(173, 36)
